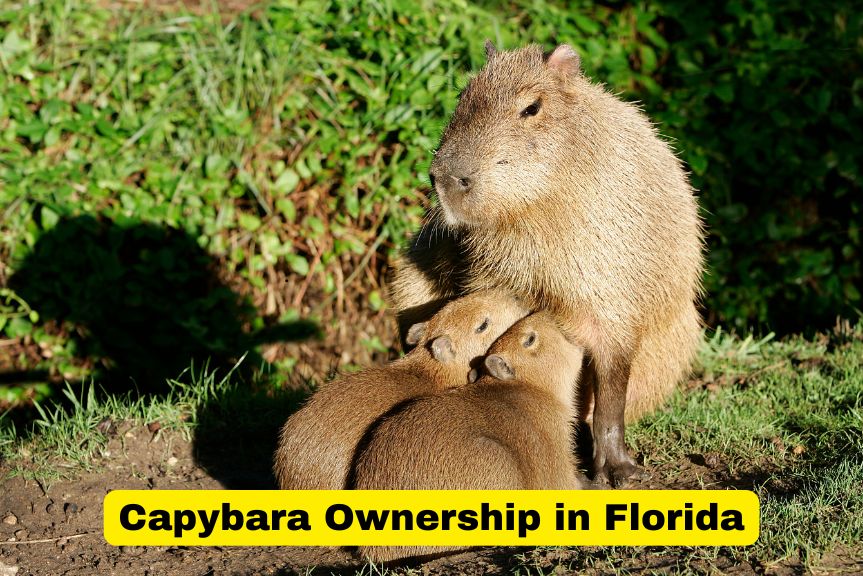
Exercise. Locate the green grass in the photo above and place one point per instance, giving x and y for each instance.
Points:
(68, 437)
(785, 418)
(290, 148)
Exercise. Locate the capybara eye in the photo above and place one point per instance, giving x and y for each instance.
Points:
(530, 340)
(482, 327)
(532, 110)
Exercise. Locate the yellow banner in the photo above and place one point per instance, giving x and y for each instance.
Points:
(432, 518)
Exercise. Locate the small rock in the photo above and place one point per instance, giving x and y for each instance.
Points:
(712, 460)
(105, 426)
(798, 450)
(21, 534)
(51, 508)
(172, 461)
(70, 508)
(10, 519)
(131, 550)
(7, 570)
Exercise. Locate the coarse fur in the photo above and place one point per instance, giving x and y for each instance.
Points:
(553, 188)
(317, 443)
(510, 430)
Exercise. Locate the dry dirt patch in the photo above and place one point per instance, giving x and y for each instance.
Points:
(58, 529)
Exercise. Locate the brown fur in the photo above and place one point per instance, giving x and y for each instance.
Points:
(582, 209)
(318, 442)
(511, 430)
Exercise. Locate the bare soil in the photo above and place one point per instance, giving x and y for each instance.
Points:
(57, 529)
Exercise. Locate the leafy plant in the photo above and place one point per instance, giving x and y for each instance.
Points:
(291, 145)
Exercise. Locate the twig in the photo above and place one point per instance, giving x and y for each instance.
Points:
(353, 275)
(298, 298)
(46, 540)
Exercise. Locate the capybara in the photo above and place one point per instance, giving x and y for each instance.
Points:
(510, 430)
(317, 443)
(553, 188)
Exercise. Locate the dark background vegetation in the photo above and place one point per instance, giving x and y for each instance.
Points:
(178, 186)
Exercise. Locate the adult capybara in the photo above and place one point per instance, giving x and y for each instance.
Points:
(553, 188)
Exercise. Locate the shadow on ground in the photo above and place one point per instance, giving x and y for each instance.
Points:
(143, 303)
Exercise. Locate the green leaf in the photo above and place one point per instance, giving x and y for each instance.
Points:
(724, 92)
(144, 50)
(376, 301)
(287, 209)
(248, 221)
(287, 181)
(18, 327)
(48, 218)
(13, 44)
(315, 225)
(648, 58)
(587, 25)
(298, 264)
(698, 163)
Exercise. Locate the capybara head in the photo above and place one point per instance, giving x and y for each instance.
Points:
(464, 329)
(535, 350)
(508, 137)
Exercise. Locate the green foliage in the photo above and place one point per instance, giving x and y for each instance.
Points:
(294, 143)
(765, 99)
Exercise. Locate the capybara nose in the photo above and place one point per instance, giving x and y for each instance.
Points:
(451, 175)
(461, 184)
(451, 183)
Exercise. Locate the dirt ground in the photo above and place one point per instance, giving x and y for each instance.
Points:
(58, 529)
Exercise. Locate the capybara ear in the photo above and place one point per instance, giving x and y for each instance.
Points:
(415, 333)
(490, 50)
(499, 368)
(472, 376)
(442, 349)
(565, 60)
